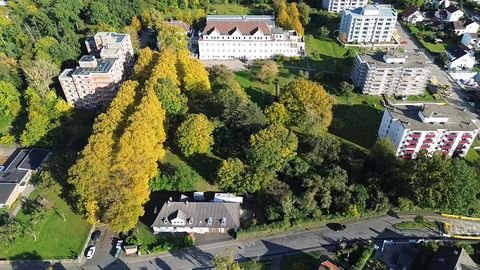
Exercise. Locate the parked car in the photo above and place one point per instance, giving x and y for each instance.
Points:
(336, 226)
(90, 252)
(96, 235)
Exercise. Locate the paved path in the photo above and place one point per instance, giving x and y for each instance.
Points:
(26, 192)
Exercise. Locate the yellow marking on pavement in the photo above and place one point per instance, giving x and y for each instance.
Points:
(461, 217)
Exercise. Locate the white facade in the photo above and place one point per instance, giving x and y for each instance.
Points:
(460, 61)
(392, 74)
(432, 128)
(227, 197)
(413, 15)
(341, 5)
(371, 24)
(247, 37)
(96, 80)
(471, 40)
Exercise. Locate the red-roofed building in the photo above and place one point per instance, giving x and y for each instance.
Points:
(328, 265)
(247, 37)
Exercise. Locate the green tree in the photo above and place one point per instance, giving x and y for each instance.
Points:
(170, 36)
(346, 89)
(271, 148)
(39, 74)
(323, 32)
(226, 262)
(305, 11)
(277, 114)
(268, 72)
(194, 135)
(172, 99)
(9, 105)
(171, 178)
(194, 76)
(10, 230)
(231, 177)
(309, 105)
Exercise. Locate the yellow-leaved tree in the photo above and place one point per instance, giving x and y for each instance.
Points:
(138, 151)
(164, 68)
(91, 174)
(308, 104)
(144, 64)
(194, 76)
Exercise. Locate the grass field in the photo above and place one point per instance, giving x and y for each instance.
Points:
(205, 171)
(327, 55)
(229, 9)
(356, 119)
(412, 225)
(432, 47)
(301, 261)
(56, 240)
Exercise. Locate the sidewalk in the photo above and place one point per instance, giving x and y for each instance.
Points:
(28, 190)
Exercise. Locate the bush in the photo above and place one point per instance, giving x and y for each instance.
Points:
(419, 219)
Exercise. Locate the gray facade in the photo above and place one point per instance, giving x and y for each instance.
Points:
(392, 74)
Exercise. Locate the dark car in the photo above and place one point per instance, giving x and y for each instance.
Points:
(96, 235)
(336, 226)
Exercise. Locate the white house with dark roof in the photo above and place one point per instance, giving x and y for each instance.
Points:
(471, 41)
(341, 5)
(247, 37)
(16, 172)
(446, 129)
(412, 15)
(197, 217)
(460, 57)
(449, 14)
(462, 27)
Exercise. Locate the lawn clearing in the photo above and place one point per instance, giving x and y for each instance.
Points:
(301, 261)
(206, 184)
(327, 55)
(229, 9)
(56, 240)
(432, 47)
(357, 119)
(412, 225)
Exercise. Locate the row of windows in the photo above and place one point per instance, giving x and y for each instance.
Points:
(236, 38)
(254, 51)
(276, 44)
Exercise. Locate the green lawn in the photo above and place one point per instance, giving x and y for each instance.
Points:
(56, 240)
(253, 265)
(204, 168)
(432, 47)
(301, 261)
(236, 9)
(357, 119)
(412, 225)
(327, 55)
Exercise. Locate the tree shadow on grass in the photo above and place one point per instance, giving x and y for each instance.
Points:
(356, 123)
(204, 165)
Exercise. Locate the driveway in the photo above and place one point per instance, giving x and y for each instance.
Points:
(103, 253)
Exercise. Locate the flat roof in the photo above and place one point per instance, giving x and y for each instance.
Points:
(458, 118)
(375, 10)
(413, 60)
(103, 66)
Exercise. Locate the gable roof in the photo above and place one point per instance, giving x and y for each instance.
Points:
(448, 258)
(452, 9)
(456, 52)
(244, 27)
(199, 213)
(458, 25)
(409, 11)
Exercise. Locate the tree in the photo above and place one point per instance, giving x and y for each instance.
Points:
(226, 262)
(164, 68)
(318, 150)
(268, 72)
(140, 147)
(174, 178)
(346, 89)
(9, 105)
(173, 100)
(39, 74)
(271, 148)
(294, 14)
(10, 230)
(277, 114)
(144, 65)
(305, 11)
(194, 135)
(194, 76)
(324, 32)
(170, 36)
(414, 3)
(230, 177)
(308, 104)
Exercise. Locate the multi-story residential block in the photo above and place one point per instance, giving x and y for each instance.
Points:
(247, 37)
(341, 5)
(95, 81)
(432, 128)
(370, 24)
(393, 73)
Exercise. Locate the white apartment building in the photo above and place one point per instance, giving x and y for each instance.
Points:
(431, 128)
(371, 24)
(392, 73)
(247, 37)
(341, 5)
(95, 81)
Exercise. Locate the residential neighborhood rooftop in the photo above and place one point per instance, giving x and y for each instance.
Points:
(103, 66)
(459, 119)
(411, 59)
(373, 10)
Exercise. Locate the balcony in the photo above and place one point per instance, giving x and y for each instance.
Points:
(425, 146)
(428, 141)
(415, 135)
(464, 142)
(430, 135)
(411, 146)
(467, 136)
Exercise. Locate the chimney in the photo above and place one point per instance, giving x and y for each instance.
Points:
(170, 199)
(186, 202)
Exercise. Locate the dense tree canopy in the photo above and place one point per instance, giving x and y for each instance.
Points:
(9, 105)
(194, 135)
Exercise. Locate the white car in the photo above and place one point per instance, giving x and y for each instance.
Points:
(90, 252)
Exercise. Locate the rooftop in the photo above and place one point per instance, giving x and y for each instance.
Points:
(230, 27)
(409, 11)
(452, 9)
(411, 59)
(458, 118)
(270, 20)
(103, 66)
(450, 258)
(373, 10)
(198, 214)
